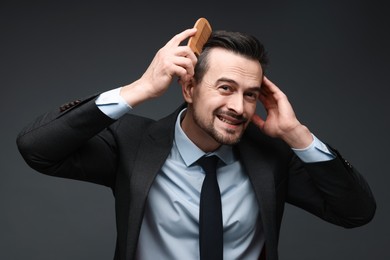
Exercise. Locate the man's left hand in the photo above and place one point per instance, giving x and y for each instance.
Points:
(281, 121)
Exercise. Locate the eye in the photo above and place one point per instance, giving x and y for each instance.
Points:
(225, 88)
(252, 96)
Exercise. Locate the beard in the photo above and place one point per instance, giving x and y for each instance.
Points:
(225, 136)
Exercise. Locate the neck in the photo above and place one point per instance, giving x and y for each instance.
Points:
(196, 134)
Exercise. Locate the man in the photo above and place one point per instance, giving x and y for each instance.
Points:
(152, 166)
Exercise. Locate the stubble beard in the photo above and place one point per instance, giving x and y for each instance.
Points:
(229, 137)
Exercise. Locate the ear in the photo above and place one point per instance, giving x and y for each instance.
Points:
(187, 88)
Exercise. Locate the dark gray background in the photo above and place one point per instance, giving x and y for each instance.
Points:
(330, 57)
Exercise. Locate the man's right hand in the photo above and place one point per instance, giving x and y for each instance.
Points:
(170, 61)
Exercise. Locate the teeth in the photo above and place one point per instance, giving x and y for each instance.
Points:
(227, 121)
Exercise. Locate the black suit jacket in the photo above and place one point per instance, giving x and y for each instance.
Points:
(79, 142)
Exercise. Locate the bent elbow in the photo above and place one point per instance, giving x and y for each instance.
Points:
(362, 219)
(31, 155)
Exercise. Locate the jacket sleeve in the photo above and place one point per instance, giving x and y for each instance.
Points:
(72, 141)
(333, 190)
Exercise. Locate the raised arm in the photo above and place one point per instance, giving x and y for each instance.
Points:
(170, 61)
(77, 139)
(281, 121)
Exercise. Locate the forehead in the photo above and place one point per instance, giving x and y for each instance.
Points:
(227, 64)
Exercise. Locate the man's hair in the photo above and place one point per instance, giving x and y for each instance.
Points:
(237, 42)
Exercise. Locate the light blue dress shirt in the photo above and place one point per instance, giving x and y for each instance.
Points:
(170, 225)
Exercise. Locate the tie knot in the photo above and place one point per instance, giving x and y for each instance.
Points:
(209, 163)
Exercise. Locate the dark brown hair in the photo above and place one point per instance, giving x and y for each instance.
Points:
(237, 42)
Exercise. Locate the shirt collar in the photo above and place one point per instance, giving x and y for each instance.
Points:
(191, 153)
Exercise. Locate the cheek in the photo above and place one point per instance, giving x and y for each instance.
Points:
(209, 100)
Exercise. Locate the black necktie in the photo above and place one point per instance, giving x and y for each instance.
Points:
(210, 215)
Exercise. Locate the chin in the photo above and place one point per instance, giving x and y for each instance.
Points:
(228, 138)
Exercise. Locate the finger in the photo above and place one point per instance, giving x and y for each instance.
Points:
(262, 98)
(184, 79)
(270, 90)
(180, 71)
(186, 51)
(258, 121)
(268, 83)
(266, 86)
(186, 63)
(266, 95)
(178, 38)
(271, 87)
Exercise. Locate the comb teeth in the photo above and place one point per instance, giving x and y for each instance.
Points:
(203, 33)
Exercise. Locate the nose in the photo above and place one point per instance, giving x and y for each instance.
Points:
(236, 103)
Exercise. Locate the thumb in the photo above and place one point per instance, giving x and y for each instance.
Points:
(258, 121)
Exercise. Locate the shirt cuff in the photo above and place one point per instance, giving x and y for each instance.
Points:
(112, 104)
(317, 151)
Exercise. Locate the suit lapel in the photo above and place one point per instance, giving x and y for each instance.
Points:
(155, 147)
(261, 175)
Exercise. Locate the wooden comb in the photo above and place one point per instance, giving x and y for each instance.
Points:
(203, 33)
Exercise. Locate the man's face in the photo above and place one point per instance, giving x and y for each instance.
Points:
(221, 106)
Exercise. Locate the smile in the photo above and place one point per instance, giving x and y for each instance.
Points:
(230, 120)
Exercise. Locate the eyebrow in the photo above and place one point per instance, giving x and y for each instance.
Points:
(223, 79)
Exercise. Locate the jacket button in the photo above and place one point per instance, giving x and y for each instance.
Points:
(347, 163)
(69, 105)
